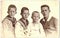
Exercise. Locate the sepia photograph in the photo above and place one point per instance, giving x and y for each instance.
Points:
(29, 19)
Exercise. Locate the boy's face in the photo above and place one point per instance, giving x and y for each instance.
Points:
(45, 11)
(25, 14)
(12, 12)
(35, 17)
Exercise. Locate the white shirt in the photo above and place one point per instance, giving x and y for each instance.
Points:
(35, 30)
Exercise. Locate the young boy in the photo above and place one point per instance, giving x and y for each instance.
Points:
(35, 29)
(9, 22)
(21, 25)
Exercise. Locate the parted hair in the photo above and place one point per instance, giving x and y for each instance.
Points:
(24, 8)
(45, 6)
(11, 6)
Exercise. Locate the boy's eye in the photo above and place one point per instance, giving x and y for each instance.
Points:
(12, 11)
(42, 11)
(25, 13)
(37, 16)
(45, 10)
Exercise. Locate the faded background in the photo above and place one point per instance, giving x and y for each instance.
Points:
(33, 5)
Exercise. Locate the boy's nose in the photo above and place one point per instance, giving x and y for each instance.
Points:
(35, 17)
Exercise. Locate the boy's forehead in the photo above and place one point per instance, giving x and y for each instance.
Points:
(44, 7)
(25, 11)
(35, 13)
(12, 8)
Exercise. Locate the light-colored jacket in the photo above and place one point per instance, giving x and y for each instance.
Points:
(20, 30)
(8, 29)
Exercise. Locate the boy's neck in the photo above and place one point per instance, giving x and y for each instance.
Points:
(10, 17)
(35, 22)
(24, 19)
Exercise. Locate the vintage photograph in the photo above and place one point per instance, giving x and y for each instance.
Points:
(29, 19)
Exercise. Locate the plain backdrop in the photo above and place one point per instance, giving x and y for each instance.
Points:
(33, 5)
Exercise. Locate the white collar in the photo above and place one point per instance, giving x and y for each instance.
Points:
(48, 18)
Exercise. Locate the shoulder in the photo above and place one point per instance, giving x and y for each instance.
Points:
(5, 20)
(17, 25)
(54, 19)
(30, 24)
(40, 25)
(18, 22)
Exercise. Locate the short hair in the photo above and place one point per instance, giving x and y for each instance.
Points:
(45, 6)
(12, 6)
(34, 12)
(24, 8)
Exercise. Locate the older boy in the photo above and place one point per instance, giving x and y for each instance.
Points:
(9, 22)
(49, 22)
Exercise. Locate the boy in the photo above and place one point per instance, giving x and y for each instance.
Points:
(49, 22)
(21, 25)
(35, 29)
(9, 22)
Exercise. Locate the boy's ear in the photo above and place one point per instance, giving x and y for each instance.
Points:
(7, 12)
(16, 12)
(31, 17)
(39, 17)
(20, 14)
(49, 10)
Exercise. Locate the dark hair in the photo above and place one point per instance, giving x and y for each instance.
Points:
(45, 6)
(12, 6)
(24, 8)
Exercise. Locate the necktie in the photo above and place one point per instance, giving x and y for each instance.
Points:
(46, 24)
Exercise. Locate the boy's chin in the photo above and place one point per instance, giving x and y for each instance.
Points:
(25, 18)
(36, 21)
(11, 16)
